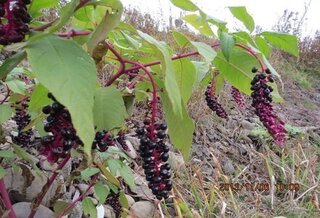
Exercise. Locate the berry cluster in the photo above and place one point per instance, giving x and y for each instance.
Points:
(213, 103)
(113, 201)
(121, 140)
(238, 97)
(22, 119)
(15, 28)
(261, 101)
(62, 136)
(154, 153)
(102, 141)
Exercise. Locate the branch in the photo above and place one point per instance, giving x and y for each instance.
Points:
(7, 95)
(6, 199)
(122, 67)
(73, 33)
(80, 198)
(37, 201)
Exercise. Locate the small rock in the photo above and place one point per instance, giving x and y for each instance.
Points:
(83, 188)
(109, 212)
(130, 200)
(23, 208)
(228, 168)
(134, 141)
(131, 150)
(143, 209)
(176, 160)
(247, 125)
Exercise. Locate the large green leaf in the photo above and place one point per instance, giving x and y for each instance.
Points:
(109, 21)
(109, 109)
(89, 208)
(202, 70)
(127, 175)
(241, 14)
(263, 45)
(186, 77)
(227, 44)
(171, 85)
(5, 112)
(283, 41)
(205, 50)
(67, 71)
(39, 98)
(186, 5)
(10, 63)
(199, 23)
(180, 128)
(238, 70)
(181, 39)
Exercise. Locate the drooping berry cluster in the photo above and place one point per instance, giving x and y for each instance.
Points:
(61, 134)
(238, 97)
(15, 27)
(113, 201)
(103, 140)
(261, 101)
(154, 152)
(213, 103)
(22, 119)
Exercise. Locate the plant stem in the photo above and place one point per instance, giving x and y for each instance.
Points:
(37, 201)
(7, 95)
(80, 198)
(6, 199)
(154, 101)
(73, 33)
(122, 67)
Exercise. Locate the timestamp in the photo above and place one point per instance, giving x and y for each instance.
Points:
(258, 186)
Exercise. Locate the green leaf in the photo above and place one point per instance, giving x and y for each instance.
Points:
(124, 203)
(109, 109)
(227, 44)
(244, 38)
(2, 172)
(69, 73)
(5, 112)
(127, 175)
(241, 14)
(283, 41)
(114, 166)
(238, 70)
(199, 23)
(17, 86)
(37, 5)
(168, 70)
(109, 22)
(219, 83)
(102, 192)
(7, 154)
(10, 63)
(132, 42)
(202, 70)
(205, 50)
(181, 39)
(89, 208)
(186, 77)
(180, 128)
(263, 45)
(39, 98)
(87, 173)
(186, 5)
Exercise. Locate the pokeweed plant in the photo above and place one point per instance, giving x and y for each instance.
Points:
(64, 57)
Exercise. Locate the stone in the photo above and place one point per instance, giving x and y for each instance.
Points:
(143, 209)
(21, 210)
(228, 167)
(131, 150)
(247, 125)
(130, 200)
(176, 160)
(109, 212)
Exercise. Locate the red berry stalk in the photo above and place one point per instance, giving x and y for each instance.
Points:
(237, 96)
(261, 101)
(17, 17)
(213, 103)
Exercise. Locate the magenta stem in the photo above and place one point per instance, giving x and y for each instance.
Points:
(80, 198)
(45, 188)
(6, 199)
(154, 101)
(73, 33)
(122, 67)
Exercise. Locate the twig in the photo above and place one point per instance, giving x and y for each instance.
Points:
(7, 95)
(6, 199)
(37, 201)
(80, 198)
